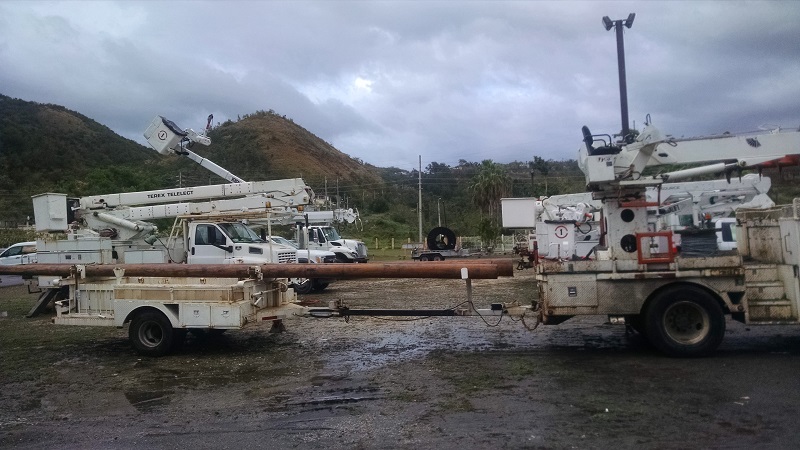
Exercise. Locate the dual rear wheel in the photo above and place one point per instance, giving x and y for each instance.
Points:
(683, 321)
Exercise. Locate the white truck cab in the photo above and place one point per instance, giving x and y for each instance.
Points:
(328, 238)
(233, 243)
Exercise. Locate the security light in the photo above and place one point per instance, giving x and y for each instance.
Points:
(628, 21)
(607, 23)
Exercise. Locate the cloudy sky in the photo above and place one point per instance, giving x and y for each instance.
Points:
(386, 81)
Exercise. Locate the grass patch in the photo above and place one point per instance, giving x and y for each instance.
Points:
(388, 254)
(31, 346)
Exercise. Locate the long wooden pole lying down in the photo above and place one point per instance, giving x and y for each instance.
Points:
(476, 269)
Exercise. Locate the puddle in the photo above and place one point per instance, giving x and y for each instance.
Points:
(409, 341)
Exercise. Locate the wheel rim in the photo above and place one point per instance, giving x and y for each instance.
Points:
(151, 334)
(686, 322)
(303, 285)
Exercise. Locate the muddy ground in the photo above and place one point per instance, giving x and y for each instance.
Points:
(373, 383)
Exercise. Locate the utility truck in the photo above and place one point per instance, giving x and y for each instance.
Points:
(634, 275)
(210, 226)
(315, 231)
(209, 221)
(326, 237)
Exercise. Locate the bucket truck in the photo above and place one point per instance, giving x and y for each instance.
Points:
(210, 227)
(167, 138)
(209, 221)
(678, 303)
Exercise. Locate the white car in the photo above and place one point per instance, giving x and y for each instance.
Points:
(19, 253)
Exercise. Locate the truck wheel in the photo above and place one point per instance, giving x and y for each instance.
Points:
(303, 285)
(151, 333)
(423, 258)
(438, 258)
(685, 321)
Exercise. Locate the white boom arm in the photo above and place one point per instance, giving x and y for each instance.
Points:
(609, 167)
(291, 191)
(129, 210)
(167, 138)
(615, 175)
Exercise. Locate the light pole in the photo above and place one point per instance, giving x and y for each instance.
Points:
(623, 87)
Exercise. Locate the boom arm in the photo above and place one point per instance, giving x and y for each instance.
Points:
(167, 138)
(609, 167)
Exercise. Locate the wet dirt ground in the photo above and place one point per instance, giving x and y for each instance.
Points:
(374, 383)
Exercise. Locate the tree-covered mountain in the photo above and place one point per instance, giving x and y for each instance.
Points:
(45, 148)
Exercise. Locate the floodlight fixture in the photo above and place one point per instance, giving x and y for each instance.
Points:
(629, 20)
(607, 23)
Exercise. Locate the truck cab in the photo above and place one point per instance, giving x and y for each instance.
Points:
(328, 238)
(233, 243)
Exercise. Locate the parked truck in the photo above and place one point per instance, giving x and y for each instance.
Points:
(210, 226)
(634, 275)
(315, 231)
(327, 237)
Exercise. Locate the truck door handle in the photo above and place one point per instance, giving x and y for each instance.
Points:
(192, 251)
(786, 243)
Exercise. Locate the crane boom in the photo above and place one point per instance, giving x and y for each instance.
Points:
(608, 167)
(167, 138)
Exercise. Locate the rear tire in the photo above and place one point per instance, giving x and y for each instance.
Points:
(685, 321)
(303, 285)
(151, 333)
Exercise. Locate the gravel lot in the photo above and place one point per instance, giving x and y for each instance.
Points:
(376, 383)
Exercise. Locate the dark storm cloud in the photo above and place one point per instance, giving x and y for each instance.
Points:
(387, 81)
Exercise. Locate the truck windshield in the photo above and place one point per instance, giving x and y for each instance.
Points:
(283, 241)
(330, 233)
(239, 233)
